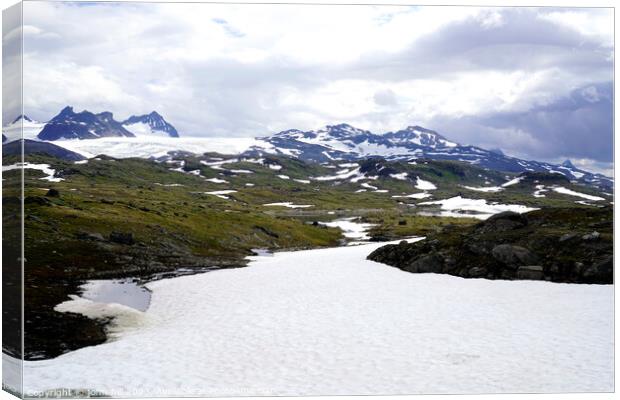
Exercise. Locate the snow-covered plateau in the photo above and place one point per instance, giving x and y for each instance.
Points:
(328, 321)
(157, 146)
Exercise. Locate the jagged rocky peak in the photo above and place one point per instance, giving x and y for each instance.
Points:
(83, 125)
(150, 124)
(21, 117)
(568, 164)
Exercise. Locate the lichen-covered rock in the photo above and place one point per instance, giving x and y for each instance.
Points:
(122, 238)
(430, 263)
(513, 256)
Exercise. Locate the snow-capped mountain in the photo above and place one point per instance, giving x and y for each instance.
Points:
(347, 143)
(83, 125)
(30, 128)
(151, 124)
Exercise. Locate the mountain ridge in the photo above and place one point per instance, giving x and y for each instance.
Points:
(68, 124)
(347, 143)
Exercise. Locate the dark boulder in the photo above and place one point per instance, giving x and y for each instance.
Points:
(513, 256)
(431, 263)
(53, 193)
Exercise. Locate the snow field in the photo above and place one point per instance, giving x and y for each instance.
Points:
(329, 321)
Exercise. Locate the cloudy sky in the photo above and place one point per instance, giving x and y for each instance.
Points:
(537, 83)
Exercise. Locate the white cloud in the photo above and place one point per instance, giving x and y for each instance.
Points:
(594, 22)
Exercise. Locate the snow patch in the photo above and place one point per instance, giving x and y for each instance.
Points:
(216, 180)
(540, 189)
(478, 208)
(512, 182)
(424, 185)
(422, 195)
(563, 190)
(221, 193)
(288, 204)
(488, 189)
(350, 229)
(401, 177)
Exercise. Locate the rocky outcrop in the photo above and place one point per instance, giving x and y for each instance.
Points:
(122, 238)
(559, 245)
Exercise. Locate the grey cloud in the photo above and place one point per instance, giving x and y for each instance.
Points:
(522, 42)
(232, 31)
(576, 126)
(11, 63)
(385, 97)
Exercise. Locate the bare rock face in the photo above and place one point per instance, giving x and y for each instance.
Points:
(556, 245)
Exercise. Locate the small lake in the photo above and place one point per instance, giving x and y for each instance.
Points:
(127, 292)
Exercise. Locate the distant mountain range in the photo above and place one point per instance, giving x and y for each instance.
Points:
(347, 143)
(333, 142)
